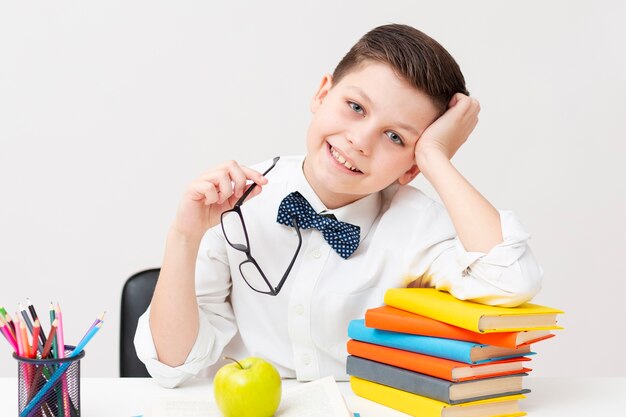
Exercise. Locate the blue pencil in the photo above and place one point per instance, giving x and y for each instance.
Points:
(34, 402)
(95, 323)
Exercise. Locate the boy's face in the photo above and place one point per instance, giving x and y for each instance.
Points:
(363, 133)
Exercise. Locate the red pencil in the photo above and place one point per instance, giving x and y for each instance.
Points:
(48, 346)
(44, 355)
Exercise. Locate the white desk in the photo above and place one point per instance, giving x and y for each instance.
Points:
(550, 397)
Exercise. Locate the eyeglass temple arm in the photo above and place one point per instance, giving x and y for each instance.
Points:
(295, 255)
(254, 184)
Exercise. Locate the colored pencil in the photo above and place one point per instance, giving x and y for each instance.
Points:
(33, 313)
(61, 347)
(55, 350)
(34, 402)
(60, 337)
(29, 324)
(18, 339)
(25, 342)
(22, 370)
(48, 346)
(83, 342)
(6, 331)
(36, 341)
(96, 321)
(25, 317)
(9, 327)
(9, 320)
(44, 354)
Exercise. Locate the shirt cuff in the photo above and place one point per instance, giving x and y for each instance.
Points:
(508, 275)
(501, 256)
(205, 351)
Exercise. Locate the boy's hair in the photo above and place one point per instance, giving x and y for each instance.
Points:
(414, 56)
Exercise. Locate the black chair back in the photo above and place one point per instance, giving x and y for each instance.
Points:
(136, 296)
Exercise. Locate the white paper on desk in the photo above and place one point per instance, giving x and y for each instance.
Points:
(183, 407)
(319, 398)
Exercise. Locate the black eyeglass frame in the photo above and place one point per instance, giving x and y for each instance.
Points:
(246, 248)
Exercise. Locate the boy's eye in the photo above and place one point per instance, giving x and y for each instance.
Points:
(395, 138)
(356, 107)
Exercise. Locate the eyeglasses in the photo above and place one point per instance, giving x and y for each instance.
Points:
(236, 235)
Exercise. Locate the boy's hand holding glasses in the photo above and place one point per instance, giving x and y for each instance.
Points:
(211, 194)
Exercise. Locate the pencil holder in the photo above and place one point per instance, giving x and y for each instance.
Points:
(49, 387)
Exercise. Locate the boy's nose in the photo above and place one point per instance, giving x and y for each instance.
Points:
(362, 140)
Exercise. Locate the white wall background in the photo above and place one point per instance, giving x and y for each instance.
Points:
(107, 110)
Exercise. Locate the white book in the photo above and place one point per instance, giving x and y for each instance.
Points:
(319, 398)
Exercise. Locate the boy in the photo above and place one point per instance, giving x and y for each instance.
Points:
(395, 106)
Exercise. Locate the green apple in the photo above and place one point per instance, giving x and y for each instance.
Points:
(247, 388)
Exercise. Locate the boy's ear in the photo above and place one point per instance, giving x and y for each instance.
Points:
(409, 176)
(322, 92)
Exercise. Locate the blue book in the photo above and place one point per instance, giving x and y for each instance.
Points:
(456, 350)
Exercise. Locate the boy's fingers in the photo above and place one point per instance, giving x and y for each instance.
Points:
(211, 195)
(256, 191)
(238, 177)
(225, 188)
(255, 176)
(203, 190)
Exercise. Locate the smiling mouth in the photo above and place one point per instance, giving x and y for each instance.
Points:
(342, 160)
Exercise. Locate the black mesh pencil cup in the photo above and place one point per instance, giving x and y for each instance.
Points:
(60, 378)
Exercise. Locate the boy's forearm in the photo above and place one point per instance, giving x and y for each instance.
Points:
(476, 221)
(174, 320)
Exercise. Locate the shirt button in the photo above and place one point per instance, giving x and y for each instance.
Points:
(316, 253)
(299, 309)
(306, 359)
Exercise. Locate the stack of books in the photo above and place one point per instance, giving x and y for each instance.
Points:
(426, 353)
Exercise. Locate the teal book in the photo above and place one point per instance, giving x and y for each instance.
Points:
(456, 350)
(435, 388)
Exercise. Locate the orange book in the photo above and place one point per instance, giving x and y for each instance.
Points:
(396, 320)
(438, 367)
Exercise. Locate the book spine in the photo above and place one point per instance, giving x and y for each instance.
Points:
(456, 350)
(405, 380)
(411, 404)
(416, 405)
(396, 320)
(437, 367)
(417, 383)
(433, 308)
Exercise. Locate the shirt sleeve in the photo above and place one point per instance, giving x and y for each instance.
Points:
(217, 321)
(508, 275)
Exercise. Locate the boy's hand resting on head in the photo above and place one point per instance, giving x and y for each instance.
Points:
(446, 134)
(211, 194)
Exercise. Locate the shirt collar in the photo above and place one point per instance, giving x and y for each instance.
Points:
(361, 213)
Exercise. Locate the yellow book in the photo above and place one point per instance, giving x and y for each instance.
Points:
(444, 307)
(418, 406)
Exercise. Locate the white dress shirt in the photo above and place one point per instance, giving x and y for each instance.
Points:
(405, 235)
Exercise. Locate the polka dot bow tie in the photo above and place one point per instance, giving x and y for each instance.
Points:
(342, 237)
